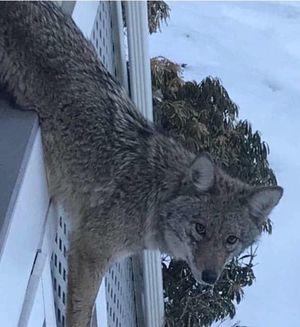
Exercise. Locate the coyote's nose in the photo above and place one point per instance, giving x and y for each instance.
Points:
(209, 276)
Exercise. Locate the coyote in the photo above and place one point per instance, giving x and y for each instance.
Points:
(126, 185)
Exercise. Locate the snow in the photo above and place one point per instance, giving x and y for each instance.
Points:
(254, 48)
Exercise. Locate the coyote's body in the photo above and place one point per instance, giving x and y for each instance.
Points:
(127, 186)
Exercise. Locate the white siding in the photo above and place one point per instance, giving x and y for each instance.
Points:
(24, 236)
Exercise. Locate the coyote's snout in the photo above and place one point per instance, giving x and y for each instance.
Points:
(208, 263)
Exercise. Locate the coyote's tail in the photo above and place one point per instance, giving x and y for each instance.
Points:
(43, 55)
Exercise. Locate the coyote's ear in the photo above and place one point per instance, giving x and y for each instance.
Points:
(202, 172)
(263, 200)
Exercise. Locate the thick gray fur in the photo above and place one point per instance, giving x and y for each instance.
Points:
(127, 186)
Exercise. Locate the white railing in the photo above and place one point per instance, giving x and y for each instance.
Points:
(141, 93)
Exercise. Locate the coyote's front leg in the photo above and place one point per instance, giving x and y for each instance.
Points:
(84, 279)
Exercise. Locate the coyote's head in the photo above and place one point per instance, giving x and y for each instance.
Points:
(213, 218)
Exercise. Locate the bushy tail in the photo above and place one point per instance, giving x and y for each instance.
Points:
(44, 57)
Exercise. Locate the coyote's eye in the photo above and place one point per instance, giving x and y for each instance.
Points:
(231, 239)
(200, 229)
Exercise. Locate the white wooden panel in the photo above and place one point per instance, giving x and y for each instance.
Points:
(50, 230)
(32, 298)
(84, 15)
(37, 316)
(23, 237)
(101, 307)
(50, 318)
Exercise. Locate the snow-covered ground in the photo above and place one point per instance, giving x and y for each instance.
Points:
(254, 48)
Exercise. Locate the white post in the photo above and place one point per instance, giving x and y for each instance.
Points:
(141, 93)
(119, 41)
